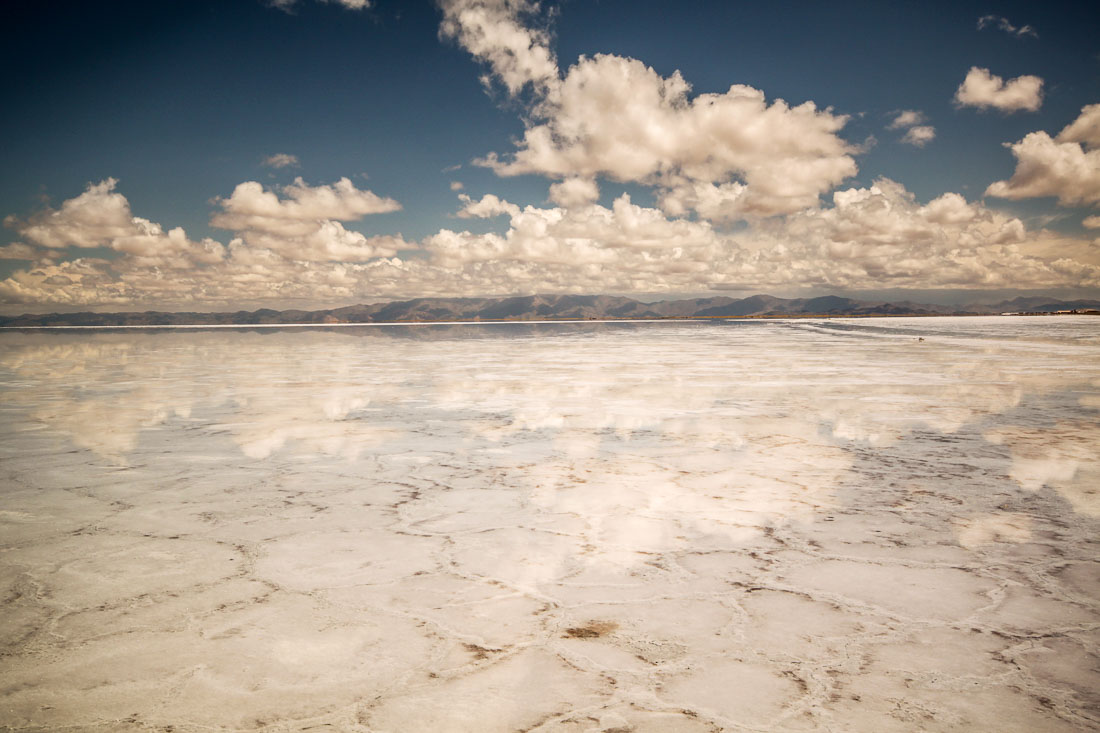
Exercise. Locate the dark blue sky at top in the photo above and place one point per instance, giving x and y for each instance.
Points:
(181, 99)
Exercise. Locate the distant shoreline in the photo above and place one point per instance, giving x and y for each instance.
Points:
(544, 321)
(548, 309)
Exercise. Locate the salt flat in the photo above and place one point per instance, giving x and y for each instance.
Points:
(841, 525)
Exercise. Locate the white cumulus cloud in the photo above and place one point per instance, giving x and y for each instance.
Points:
(253, 207)
(305, 225)
(614, 117)
(493, 31)
(982, 89)
(919, 135)
(869, 237)
(574, 192)
(916, 132)
(1066, 167)
(101, 217)
(874, 237)
(1085, 129)
(486, 207)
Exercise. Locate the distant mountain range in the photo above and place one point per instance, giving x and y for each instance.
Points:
(536, 307)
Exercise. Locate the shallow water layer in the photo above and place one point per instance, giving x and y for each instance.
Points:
(842, 525)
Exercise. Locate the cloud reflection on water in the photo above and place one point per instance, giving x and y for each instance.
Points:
(766, 411)
(384, 523)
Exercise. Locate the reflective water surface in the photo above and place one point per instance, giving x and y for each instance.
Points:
(865, 524)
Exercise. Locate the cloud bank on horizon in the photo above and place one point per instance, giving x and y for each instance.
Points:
(741, 192)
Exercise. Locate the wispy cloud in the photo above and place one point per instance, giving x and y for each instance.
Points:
(1002, 23)
(281, 160)
(288, 5)
(906, 118)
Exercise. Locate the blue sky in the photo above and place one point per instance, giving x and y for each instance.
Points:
(127, 120)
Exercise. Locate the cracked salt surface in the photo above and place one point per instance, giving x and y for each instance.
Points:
(756, 526)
